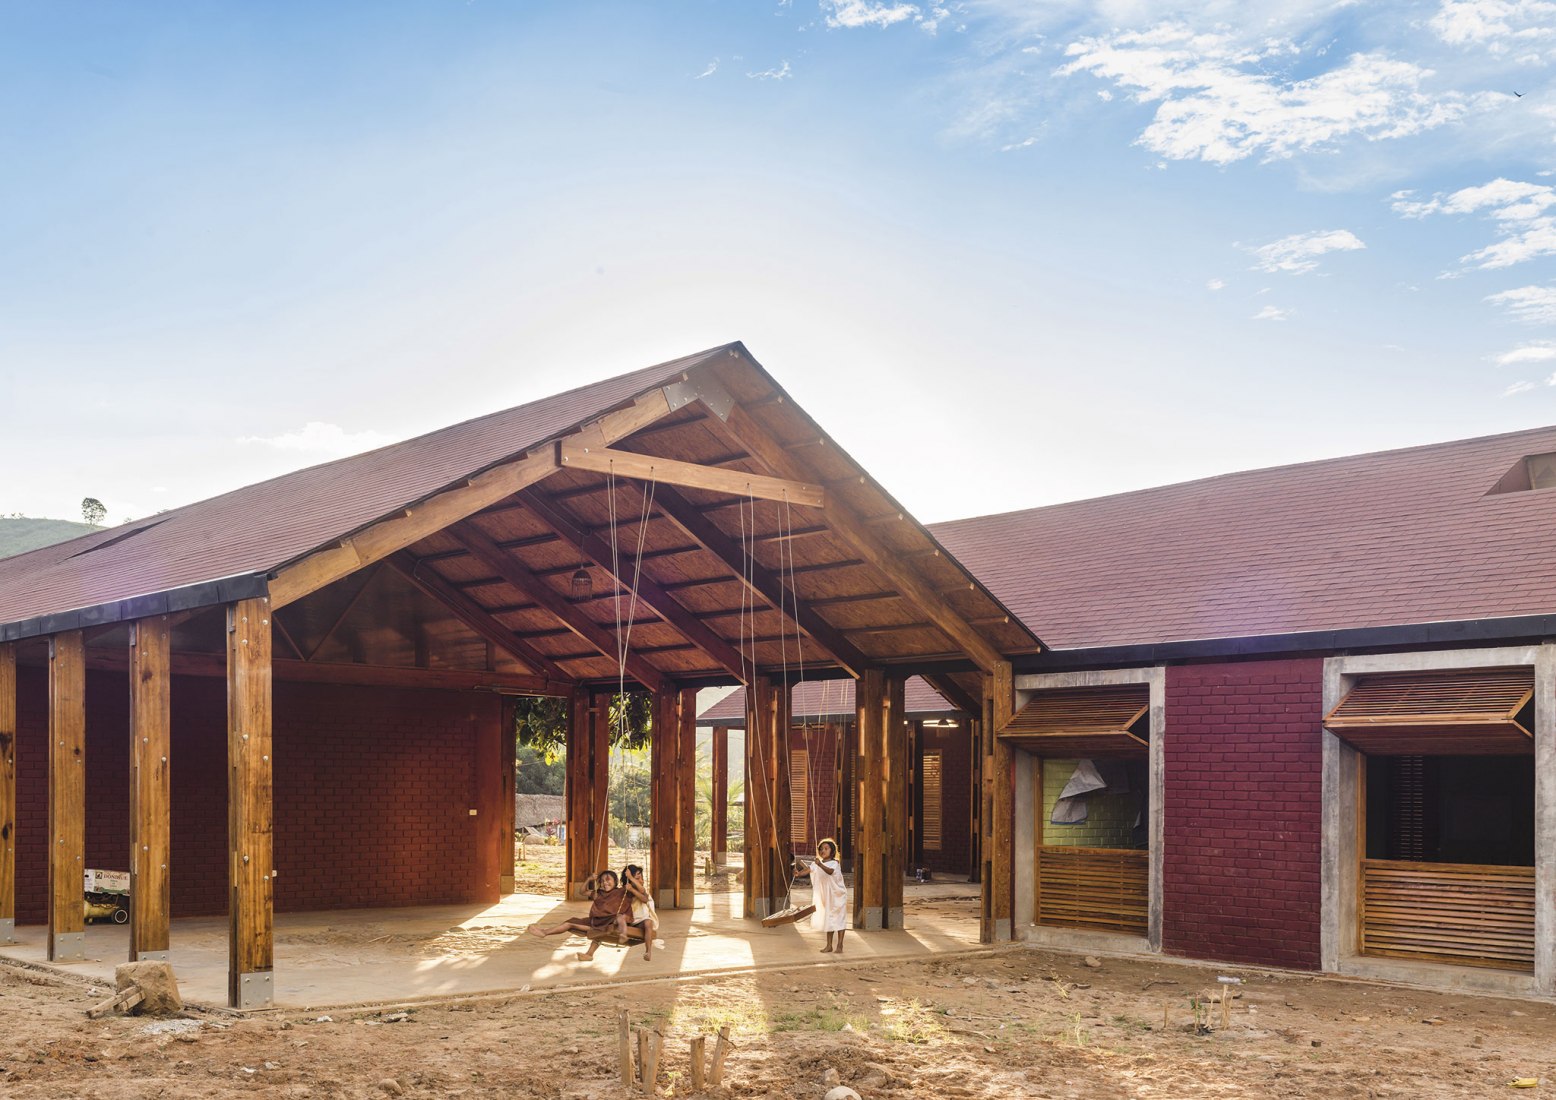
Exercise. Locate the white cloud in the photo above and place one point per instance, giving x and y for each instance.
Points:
(1517, 388)
(1300, 252)
(1496, 25)
(1528, 353)
(317, 437)
(1221, 101)
(1524, 214)
(1025, 143)
(783, 72)
(1533, 304)
(866, 13)
(1216, 284)
(1273, 313)
(713, 67)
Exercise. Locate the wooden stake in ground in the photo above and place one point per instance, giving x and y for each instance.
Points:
(721, 1050)
(697, 1063)
(642, 1051)
(624, 1029)
(656, 1044)
(122, 1001)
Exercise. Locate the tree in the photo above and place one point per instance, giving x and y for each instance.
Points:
(541, 722)
(93, 511)
(537, 773)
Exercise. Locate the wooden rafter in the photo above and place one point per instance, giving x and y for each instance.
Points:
(953, 693)
(759, 579)
(740, 428)
(363, 582)
(658, 600)
(669, 471)
(521, 577)
(473, 615)
(377, 541)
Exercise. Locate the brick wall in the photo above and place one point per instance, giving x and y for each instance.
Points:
(373, 792)
(955, 748)
(821, 744)
(1242, 806)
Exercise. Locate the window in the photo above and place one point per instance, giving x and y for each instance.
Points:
(929, 817)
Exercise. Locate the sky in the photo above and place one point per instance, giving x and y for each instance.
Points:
(1007, 254)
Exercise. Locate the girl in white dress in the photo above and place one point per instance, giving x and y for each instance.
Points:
(830, 895)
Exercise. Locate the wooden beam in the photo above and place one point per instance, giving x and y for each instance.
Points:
(7, 792)
(67, 796)
(250, 821)
(377, 541)
(521, 577)
(741, 429)
(150, 787)
(669, 471)
(364, 580)
(759, 579)
(649, 592)
(473, 615)
(953, 693)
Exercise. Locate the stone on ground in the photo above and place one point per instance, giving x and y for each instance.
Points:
(156, 983)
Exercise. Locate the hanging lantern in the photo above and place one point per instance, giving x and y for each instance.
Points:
(583, 584)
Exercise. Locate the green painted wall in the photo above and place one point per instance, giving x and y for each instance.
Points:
(1110, 818)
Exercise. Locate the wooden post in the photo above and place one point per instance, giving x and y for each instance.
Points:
(251, 906)
(999, 806)
(507, 760)
(895, 764)
(975, 798)
(870, 800)
(150, 787)
(783, 793)
(699, 1063)
(767, 838)
(686, 804)
(719, 813)
(7, 793)
(721, 1051)
(847, 751)
(588, 781)
(67, 797)
(664, 799)
(624, 1047)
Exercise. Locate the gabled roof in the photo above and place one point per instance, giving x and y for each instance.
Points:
(258, 528)
(1392, 538)
(822, 700)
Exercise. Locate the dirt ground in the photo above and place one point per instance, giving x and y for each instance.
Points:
(1003, 1023)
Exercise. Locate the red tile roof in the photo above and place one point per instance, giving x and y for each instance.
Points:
(821, 699)
(1388, 539)
(261, 527)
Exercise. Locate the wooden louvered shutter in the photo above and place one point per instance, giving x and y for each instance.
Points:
(929, 818)
(799, 797)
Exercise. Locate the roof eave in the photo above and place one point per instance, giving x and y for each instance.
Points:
(192, 597)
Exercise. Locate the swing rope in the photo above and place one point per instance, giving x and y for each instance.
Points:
(625, 623)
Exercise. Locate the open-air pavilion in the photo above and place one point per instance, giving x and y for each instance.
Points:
(297, 696)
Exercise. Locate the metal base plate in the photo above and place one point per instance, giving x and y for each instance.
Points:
(151, 956)
(256, 990)
(8, 930)
(872, 920)
(505, 884)
(1002, 930)
(67, 947)
(664, 899)
(894, 918)
(761, 908)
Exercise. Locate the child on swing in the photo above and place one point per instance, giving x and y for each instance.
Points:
(644, 917)
(606, 914)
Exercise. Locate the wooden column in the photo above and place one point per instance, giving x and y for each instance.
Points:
(767, 839)
(150, 787)
(664, 799)
(719, 812)
(250, 807)
(67, 797)
(895, 766)
(588, 788)
(870, 799)
(847, 734)
(975, 798)
(7, 793)
(507, 750)
(686, 804)
(999, 803)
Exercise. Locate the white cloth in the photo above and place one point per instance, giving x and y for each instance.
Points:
(1069, 811)
(1085, 778)
(642, 911)
(830, 895)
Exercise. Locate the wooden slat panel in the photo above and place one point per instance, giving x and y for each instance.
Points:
(929, 814)
(1467, 914)
(799, 800)
(1469, 712)
(1104, 889)
(1081, 722)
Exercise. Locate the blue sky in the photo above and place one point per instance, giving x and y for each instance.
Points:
(1007, 253)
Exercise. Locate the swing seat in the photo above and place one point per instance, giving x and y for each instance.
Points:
(788, 916)
(610, 939)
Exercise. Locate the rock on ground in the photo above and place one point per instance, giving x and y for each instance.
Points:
(157, 986)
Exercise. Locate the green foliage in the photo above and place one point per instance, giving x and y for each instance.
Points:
(93, 511)
(541, 722)
(538, 772)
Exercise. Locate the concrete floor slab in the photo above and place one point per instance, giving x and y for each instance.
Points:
(344, 957)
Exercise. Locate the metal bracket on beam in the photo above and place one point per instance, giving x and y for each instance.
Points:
(256, 990)
(151, 956)
(701, 386)
(69, 947)
(8, 930)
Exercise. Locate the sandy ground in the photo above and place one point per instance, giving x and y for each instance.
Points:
(1004, 1023)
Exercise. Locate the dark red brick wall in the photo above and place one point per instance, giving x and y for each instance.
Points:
(955, 748)
(822, 745)
(1242, 809)
(373, 792)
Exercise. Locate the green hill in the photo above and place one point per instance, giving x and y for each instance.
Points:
(18, 534)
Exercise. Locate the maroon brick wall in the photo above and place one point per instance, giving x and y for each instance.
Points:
(1242, 808)
(373, 792)
(955, 747)
(821, 744)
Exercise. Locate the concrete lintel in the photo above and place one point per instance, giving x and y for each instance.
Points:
(256, 990)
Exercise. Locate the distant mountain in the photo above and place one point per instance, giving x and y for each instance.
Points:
(18, 535)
